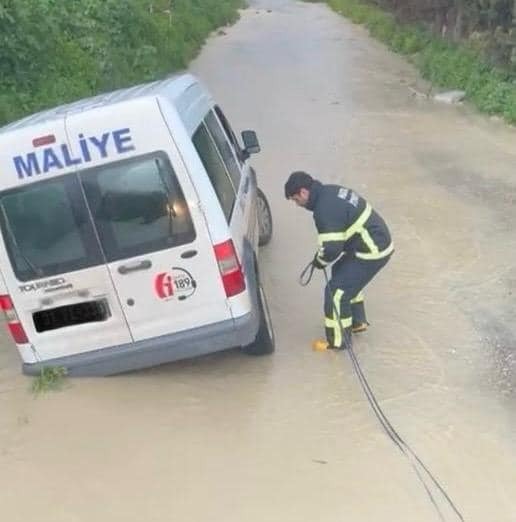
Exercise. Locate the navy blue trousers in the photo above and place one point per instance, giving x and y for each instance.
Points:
(343, 296)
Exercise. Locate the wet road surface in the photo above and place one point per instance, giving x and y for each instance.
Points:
(291, 437)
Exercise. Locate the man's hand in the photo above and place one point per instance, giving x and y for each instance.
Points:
(317, 263)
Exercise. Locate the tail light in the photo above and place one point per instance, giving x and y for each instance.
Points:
(15, 327)
(230, 269)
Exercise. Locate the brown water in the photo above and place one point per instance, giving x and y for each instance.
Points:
(291, 437)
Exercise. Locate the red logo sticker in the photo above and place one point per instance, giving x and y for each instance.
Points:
(176, 283)
(163, 285)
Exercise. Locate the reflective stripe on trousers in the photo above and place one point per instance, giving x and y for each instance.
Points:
(348, 277)
(337, 323)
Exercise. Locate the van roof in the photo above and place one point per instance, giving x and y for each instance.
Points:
(173, 86)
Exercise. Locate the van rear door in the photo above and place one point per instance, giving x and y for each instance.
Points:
(153, 232)
(50, 257)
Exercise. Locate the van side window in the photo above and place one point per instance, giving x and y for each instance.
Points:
(215, 168)
(230, 134)
(224, 147)
(138, 206)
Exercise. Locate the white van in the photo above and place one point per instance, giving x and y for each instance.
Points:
(130, 228)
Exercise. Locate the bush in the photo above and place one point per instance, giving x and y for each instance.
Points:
(443, 63)
(509, 112)
(56, 51)
(49, 379)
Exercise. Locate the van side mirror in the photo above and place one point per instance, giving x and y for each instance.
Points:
(251, 144)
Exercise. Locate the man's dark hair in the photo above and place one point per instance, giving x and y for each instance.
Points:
(296, 181)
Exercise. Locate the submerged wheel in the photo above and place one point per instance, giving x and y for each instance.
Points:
(264, 341)
(264, 219)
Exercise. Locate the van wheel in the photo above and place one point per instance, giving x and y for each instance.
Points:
(264, 219)
(264, 342)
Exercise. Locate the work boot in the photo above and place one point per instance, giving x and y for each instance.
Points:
(359, 327)
(321, 345)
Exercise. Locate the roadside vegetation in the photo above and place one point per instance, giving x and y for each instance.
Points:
(56, 51)
(49, 379)
(456, 44)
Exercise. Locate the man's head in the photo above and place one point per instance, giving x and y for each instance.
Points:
(297, 187)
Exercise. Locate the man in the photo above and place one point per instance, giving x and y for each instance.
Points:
(355, 239)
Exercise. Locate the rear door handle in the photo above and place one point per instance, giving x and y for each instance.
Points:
(188, 254)
(140, 265)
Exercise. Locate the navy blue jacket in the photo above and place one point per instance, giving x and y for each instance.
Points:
(346, 223)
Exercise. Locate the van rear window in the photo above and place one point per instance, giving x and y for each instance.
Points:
(47, 229)
(137, 207)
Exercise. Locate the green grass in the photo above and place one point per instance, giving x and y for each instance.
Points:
(444, 64)
(49, 379)
(54, 52)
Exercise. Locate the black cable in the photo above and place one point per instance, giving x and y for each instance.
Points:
(389, 429)
(404, 447)
(391, 432)
(419, 467)
(306, 274)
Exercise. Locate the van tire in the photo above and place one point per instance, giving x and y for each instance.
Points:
(264, 342)
(264, 219)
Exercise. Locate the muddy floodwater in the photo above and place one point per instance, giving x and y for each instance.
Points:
(291, 437)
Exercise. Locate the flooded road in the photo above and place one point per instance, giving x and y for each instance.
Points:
(291, 437)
